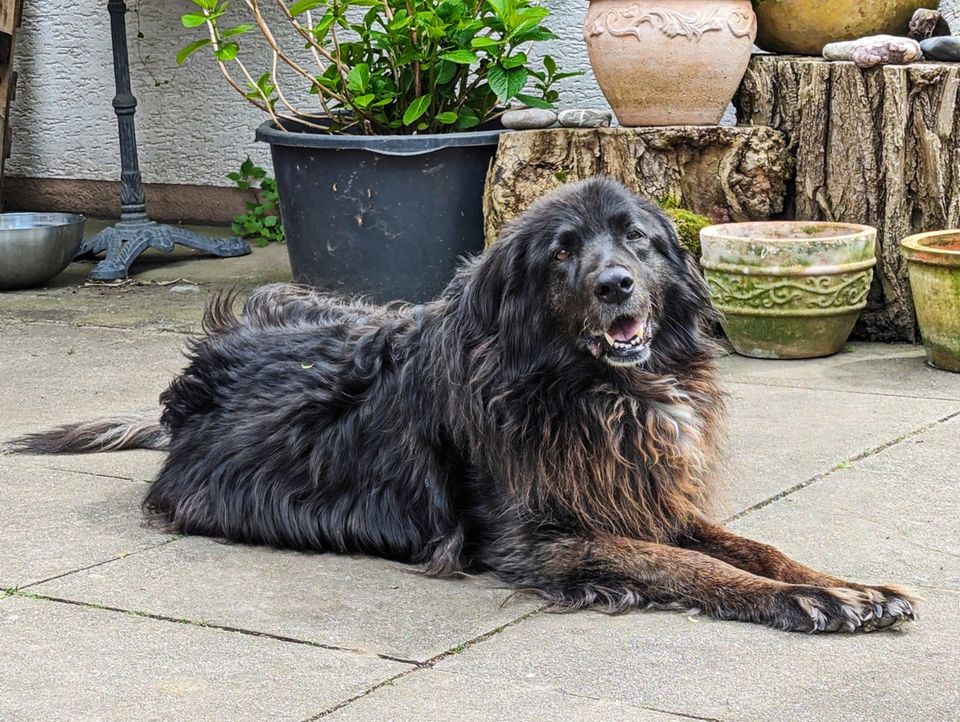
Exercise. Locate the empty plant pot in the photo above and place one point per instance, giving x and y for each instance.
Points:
(669, 62)
(933, 260)
(788, 289)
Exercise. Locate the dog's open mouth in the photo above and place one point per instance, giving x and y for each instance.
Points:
(625, 342)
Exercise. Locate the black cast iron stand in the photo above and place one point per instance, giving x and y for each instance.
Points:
(135, 232)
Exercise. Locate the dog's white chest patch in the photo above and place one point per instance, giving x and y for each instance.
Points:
(680, 416)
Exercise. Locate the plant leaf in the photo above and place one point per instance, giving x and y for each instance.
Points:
(359, 78)
(239, 30)
(514, 61)
(193, 20)
(463, 57)
(227, 52)
(416, 109)
(188, 50)
(534, 102)
(301, 6)
(506, 83)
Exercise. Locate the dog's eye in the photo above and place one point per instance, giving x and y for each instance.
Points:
(634, 235)
(561, 255)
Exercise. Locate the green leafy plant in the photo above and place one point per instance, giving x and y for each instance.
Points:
(261, 223)
(383, 66)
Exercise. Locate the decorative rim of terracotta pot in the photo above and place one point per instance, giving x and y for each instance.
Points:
(929, 248)
(757, 239)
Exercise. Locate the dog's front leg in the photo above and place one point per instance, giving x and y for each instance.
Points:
(893, 603)
(617, 572)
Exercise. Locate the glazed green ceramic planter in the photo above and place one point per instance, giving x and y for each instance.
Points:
(788, 290)
(933, 260)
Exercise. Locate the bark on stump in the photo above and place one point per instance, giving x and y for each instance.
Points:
(724, 173)
(880, 147)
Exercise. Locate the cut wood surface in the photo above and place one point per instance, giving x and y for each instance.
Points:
(878, 147)
(9, 20)
(724, 173)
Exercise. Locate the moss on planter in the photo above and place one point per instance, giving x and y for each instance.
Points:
(687, 223)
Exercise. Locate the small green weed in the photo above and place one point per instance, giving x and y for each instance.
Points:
(261, 223)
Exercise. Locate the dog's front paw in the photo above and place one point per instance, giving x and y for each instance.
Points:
(893, 606)
(813, 609)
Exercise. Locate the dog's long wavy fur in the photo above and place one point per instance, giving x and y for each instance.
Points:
(468, 434)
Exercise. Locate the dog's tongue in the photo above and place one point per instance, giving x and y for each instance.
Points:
(625, 328)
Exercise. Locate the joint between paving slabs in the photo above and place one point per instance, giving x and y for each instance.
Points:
(118, 557)
(845, 464)
(889, 394)
(20, 592)
(93, 473)
(428, 664)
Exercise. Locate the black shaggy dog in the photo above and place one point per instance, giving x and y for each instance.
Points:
(552, 418)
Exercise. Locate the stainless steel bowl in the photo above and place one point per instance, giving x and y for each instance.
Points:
(35, 247)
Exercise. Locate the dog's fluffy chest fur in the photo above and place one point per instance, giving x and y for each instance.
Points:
(607, 457)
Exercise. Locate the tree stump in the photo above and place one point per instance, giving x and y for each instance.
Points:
(880, 147)
(724, 173)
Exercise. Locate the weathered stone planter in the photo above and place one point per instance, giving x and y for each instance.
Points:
(669, 62)
(788, 290)
(805, 26)
(934, 263)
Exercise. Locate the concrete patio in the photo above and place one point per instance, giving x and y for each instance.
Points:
(848, 463)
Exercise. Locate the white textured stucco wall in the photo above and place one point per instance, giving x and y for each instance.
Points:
(191, 127)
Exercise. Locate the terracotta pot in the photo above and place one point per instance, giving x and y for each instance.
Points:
(934, 263)
(788, 289)
(805, 26)
(669, 62)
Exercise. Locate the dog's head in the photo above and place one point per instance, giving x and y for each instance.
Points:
(599, 269)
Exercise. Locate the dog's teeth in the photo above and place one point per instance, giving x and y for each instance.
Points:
(609, 338)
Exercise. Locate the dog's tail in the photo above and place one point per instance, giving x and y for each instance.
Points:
(126, 431)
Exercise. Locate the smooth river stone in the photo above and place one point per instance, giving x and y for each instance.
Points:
(945, 48)
(875, 50)
(585, 118)
(838, 51)
(528, 119)
(885, 50)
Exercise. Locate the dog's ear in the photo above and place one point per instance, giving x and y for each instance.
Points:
(687, 302)
(494, 290)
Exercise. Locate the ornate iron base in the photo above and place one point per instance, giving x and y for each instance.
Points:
(126, 240)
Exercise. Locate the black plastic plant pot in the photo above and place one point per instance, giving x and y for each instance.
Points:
(389, 217)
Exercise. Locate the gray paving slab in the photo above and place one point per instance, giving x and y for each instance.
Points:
(778, 437)
(55, 373)
(731, 671)
(168, 291)
(64, 662)
(434, 695)
(874, 368)
(56, 521)
(892, 517)
(352, 602)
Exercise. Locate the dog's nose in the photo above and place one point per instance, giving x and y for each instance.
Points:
(614, 285)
